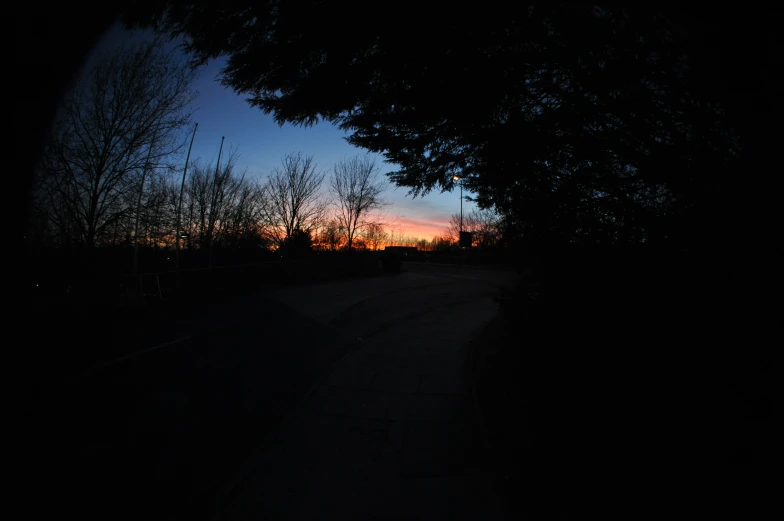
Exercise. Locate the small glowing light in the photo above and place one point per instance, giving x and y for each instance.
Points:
(456, 178)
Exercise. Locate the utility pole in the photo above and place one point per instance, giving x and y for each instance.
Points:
(179, 208)
(456, 178)
(212, 209)
(139, 200)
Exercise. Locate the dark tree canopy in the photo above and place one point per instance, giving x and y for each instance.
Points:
(596, 123)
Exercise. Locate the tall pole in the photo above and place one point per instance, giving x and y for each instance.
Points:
(461, 205)
(179, 208)
(460, 180)
(220, 152)
(214, 194)
(139, 199)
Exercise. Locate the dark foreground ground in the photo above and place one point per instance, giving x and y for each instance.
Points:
(159, 434)
(155, 435)
(635, 389)
(598, 397)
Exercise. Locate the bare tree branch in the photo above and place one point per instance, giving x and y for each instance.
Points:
(291, 199)
(357, 187)
(131, 104)
(485, 225)
(376, 235)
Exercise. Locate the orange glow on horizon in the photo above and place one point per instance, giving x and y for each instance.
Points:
(421, 229)
(402, 232)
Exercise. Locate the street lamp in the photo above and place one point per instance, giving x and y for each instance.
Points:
(457, 178)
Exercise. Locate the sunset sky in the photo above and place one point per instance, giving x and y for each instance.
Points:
(261, 143)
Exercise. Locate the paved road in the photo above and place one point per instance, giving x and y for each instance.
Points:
(391, 433)
(149, 436)
(380, 300)
(157, 436)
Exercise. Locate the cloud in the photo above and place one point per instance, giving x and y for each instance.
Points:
(424, 227)
(425, 217)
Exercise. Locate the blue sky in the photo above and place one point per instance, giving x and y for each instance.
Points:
(261, 143)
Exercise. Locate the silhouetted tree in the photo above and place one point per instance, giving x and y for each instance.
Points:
(485, 225)
(583, 120)
(291, 199)
(299, 245)
(240, 221)
(330, 236)
(441, 243)
(222, 187)
(129, 107)
(356, 188)
(220, 208)
(156, 226)
(210, 189)
(375, 235)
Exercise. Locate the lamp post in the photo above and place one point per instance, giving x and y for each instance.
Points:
(457, 178)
